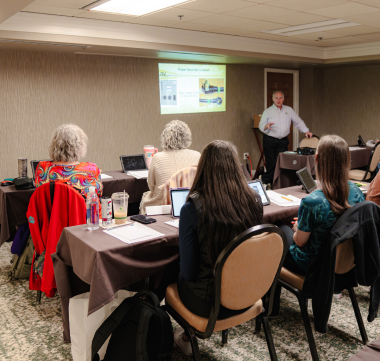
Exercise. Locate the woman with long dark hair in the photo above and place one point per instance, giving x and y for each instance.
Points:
(320, 210)
(220, 206)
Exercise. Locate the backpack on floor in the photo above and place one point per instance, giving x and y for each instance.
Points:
(141, 331)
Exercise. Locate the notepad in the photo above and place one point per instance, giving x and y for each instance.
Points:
(355, 148)
(134, 233)
(173, 223)
(139, 174)
(277, 199)
(105, 176)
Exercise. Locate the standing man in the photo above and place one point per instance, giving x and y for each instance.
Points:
(275, 124)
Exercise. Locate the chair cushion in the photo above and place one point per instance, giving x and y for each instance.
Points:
(292, 278)
(200, 323)
(357, 174)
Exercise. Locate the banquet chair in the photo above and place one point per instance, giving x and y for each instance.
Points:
(309, 142)
(369, 173)
(184, 178)
(254, 258)
(293, 282)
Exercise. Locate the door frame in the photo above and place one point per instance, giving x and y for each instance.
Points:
(296, 94)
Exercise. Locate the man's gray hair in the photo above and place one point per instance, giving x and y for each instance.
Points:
(278, 91)
(175, 136)
(69, 143)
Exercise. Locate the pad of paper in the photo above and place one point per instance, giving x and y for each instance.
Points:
(133, 233)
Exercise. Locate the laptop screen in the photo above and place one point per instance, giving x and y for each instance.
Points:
(258, 187)
(178, 197)
(133, 162)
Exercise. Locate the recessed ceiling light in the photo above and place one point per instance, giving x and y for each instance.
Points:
(136, 8)
(312, 27)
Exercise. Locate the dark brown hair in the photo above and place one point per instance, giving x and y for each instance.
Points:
(333, 164)
(229, 205)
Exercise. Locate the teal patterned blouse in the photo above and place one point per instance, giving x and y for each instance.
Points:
(315, 216)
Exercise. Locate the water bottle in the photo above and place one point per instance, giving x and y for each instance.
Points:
(92, 205)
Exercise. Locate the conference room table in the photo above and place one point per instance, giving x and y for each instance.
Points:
(287, 165)
(95, 262)
(14, 203)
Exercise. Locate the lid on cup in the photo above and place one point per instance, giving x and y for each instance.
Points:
(91, 189)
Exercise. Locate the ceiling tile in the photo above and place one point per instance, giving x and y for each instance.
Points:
(42, 9)
(347, 40)
(220, 20)
(285, 39)
(298, 18)
(354, 30)
(191, 26)
(316, 35)
(69, 4)
(306, 5)
(230, 31)
(371, 19)
(370, 37)
(172, 14)
(216, 6)
(375, 3)
(260, 12)
(257, 25)
(340, 11)
(106, 16)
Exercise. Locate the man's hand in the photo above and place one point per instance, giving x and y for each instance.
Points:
(268, 126)
(308, 134)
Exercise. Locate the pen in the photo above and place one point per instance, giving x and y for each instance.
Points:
(288, 199)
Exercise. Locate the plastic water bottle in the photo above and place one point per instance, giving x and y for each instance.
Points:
(92, 205)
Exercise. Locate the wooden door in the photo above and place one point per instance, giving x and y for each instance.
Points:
(283, 82)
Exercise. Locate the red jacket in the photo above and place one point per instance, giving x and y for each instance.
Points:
(46, 223)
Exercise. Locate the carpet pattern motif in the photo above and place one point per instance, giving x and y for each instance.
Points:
(33, 332)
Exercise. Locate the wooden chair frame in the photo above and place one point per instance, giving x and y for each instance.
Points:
(369, 164)
(193, 333)
(314, 136)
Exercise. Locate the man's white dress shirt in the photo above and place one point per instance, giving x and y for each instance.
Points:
(281, 119)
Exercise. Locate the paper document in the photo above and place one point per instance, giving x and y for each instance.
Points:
(112, 225)
(355, 148)
(173, 223)
(133, 233)
(105, 176)
(156, 210)
(288, 201)
(139, 174)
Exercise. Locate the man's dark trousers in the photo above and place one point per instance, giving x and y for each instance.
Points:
(272, 147)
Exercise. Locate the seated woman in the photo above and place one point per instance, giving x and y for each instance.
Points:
(175, 138)
(320, 210)
(220, 206)
(68, 146)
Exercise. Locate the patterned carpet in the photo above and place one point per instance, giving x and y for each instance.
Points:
(29, 331)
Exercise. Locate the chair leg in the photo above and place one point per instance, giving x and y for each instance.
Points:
(358, 315)
(258, 324)
(269, 339)
(309, 333)
(224, 337)
(38, 298)
(194, 343)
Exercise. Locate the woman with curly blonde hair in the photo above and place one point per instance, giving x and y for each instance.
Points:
(68, 146)
(175, 139)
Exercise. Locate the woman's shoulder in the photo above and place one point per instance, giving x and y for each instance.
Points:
(191, 152)
(88, 166)
(314, 199)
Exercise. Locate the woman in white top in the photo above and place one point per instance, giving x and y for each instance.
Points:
(175, 138)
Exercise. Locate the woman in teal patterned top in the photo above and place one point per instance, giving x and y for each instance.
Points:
(320, 210)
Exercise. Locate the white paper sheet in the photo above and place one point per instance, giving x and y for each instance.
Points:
(105, 176)
(173, 223)
(276, 198)
(355, 148)
(156, 210)
(133, 233)
(139, 174)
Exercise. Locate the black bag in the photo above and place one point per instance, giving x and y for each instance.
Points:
(23, 183)
(141, 331)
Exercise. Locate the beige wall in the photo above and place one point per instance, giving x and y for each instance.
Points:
(115, 100)
(341, 100)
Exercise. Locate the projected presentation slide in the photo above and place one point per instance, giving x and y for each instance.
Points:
(192, 88)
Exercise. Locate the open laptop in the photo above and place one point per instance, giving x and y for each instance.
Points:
(34, 164)
(178, 198)
(258, 187)
(134, 165)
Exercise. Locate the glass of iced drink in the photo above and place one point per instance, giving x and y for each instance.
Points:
(120, 207)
